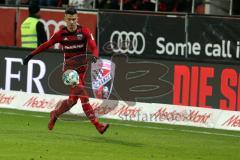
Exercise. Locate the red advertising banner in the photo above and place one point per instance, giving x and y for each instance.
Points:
(7, 27)
(53, 20)
(207, 86)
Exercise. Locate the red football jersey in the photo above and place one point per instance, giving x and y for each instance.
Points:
(74, 46)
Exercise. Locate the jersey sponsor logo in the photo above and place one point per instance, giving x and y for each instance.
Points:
(79, 36)
(102, 76)
(73, 46)
(127, 42)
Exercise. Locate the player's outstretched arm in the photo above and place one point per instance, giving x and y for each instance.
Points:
(41, 48)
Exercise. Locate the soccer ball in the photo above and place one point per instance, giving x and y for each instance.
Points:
(70, 77)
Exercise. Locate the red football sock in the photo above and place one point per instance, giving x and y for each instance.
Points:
(87, 108)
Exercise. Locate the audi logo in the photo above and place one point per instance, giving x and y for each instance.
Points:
(127, 42)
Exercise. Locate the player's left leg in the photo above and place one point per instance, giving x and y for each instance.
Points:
(88, 109)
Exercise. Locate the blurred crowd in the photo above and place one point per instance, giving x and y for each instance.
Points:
(147, 5)
(52, 3)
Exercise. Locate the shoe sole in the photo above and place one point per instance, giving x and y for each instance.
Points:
(105, 129)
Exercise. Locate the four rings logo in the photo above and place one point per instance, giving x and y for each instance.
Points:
(127, 42)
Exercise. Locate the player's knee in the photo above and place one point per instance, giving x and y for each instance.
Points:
(72, 102)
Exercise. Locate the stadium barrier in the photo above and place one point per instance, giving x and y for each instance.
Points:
(202, 56)
(141, 112)
(151, 81)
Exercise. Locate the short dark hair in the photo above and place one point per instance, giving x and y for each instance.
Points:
(71, 11)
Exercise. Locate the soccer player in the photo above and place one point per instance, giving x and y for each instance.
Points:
(74, 40)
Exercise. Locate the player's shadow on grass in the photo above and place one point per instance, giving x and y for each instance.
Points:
(114, 141)
(106, 140)
(73, 117)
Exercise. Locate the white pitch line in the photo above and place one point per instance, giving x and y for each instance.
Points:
(181, 130)
(135, 126)
(39, 116)
(20, 114)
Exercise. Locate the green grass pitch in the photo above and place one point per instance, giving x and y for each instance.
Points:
(24, 136)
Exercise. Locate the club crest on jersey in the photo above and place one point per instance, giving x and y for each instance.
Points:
(102, 76)
(79, 36)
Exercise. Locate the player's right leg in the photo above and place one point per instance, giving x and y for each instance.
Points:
(62, 107)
